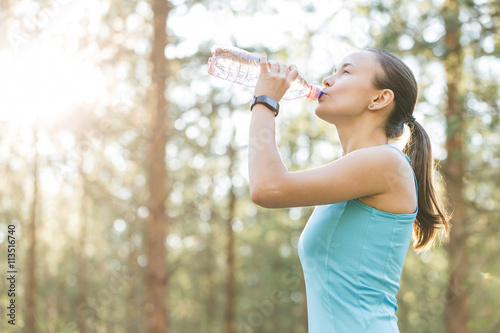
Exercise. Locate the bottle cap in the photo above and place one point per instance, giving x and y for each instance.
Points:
(210, 64)
(314, 93)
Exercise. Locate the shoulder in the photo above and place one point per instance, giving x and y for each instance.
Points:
(393, 176)
(386, 157)
(382, 165)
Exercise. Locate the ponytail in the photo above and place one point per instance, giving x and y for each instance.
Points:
(398, 77)
(431, 214)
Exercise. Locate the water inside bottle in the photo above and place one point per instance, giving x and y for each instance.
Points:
(239, 66)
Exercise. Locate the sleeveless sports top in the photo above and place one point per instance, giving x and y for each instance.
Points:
(352, 256)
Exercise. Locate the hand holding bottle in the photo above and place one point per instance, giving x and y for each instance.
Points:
(275, 78)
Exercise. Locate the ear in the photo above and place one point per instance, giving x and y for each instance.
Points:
(381, 100)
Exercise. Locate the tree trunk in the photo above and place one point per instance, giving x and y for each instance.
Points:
(31, 286)
(133, 298)
(61, 294)
(211, 299)
(82, 269)
(457, 297)
(230, 283)
(156, 272)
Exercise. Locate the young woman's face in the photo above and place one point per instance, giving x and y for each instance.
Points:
(349, 90)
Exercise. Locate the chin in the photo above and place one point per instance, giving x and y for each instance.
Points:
(321, 114)
(317, 111)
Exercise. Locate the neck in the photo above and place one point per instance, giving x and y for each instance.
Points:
(354, 136)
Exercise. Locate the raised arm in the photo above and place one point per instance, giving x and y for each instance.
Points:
(362, 173)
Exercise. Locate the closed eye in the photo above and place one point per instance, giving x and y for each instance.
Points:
(345, 71)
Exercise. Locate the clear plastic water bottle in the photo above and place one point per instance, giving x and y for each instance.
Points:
(236, 65)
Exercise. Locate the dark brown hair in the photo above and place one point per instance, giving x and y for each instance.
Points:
(396, 76)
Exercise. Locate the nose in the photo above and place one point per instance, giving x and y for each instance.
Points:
(328, 81)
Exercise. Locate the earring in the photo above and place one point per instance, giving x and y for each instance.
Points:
(371, 105)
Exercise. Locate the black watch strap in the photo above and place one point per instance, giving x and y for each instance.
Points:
(270, 103)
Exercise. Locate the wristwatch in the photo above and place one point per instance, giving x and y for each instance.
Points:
(270, 103)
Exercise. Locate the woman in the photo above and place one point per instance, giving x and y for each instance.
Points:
(369, 202)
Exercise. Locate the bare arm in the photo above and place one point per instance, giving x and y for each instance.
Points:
(265, 163)
(363, 173)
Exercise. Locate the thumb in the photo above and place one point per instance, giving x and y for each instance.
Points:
(263, 63)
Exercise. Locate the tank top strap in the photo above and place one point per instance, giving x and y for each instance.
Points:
(403, 154)
(407, 159)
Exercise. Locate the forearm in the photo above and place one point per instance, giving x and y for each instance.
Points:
(267, 173)
(265, 166)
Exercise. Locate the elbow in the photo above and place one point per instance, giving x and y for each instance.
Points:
(265, 196)
(257, 197)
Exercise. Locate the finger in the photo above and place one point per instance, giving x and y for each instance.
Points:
(263, 63)
(282, 68)
(274, 67)
(293, 73)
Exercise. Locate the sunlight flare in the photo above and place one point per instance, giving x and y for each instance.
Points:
(44, 81)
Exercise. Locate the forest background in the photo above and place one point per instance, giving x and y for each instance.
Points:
(124, 187)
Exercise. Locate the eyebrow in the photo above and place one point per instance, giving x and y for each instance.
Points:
(344, 65)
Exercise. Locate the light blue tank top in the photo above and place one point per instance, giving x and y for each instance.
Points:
(352, 256)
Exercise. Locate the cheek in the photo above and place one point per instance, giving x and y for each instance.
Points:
(340, 105)
(345, 99)
(356, 95)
